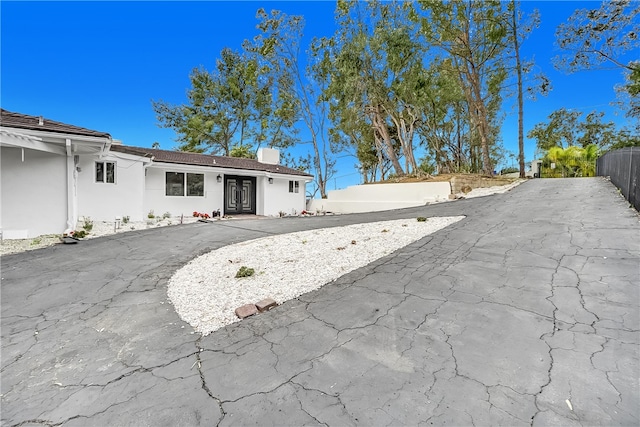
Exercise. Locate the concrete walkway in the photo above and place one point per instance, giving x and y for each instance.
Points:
(526, 312)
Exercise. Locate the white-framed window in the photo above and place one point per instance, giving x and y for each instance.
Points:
(181, 184)
(106, 172)
(294, 187)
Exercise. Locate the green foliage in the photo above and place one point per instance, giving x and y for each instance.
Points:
(239, 101)
(150, 215)
(422, 219)
(592, 37)
(509, 170)
(125, 219)
(566, 128)
(571, 162)
(244, 151)
(474, 37)
(87, 224)
(80, 234)
(245, 272)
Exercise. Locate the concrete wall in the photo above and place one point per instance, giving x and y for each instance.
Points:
(34, 193)
(104, 201)
(379, 197)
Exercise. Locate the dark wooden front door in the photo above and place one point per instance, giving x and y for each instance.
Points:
(239, 195)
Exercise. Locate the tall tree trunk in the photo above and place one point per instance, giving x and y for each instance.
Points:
(516, 45)
(380, 126)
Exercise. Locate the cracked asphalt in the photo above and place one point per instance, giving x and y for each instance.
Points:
(527, 312)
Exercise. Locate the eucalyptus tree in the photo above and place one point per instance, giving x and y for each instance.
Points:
(378, 78)
(474, 36)
(561, 130)
(594, 37)
(277, 48)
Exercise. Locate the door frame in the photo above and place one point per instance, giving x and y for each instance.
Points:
(253, 193)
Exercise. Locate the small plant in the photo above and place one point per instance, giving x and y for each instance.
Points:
(79, 234)
(304, 242)
(150, 215)
(422, 219)
(36, 241)
(125, 219)
(385, 231)
(166, 215)
(88, 224)
(245, 272)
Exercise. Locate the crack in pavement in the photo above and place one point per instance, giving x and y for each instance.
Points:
(497, 319)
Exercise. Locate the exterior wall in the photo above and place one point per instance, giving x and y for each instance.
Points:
(278, 199)
(156, 200)
(34, 193)
(104, 201)
(457, 182)
(380, 197)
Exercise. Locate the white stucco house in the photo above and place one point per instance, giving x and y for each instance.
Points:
(53, 173)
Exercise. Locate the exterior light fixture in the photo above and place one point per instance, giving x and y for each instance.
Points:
(270, 180)
(219, 178)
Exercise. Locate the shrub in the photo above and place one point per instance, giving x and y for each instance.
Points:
(422, 219)
(125, 219)
(88, 224)
(245, 272)
(150, 215)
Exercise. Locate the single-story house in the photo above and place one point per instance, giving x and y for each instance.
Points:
(53, 173)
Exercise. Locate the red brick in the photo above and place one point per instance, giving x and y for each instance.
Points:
(246, 311)
(266, 304)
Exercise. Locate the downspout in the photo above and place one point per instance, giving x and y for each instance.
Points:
(71, 185)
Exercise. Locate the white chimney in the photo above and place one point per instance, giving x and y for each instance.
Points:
(270, 156)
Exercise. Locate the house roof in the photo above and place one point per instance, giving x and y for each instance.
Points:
(25, 121)
(197, 159)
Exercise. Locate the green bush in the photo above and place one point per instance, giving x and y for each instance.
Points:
(88, 224)
(422, 219)
(245, 272)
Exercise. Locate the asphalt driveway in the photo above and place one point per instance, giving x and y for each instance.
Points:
(526, 312)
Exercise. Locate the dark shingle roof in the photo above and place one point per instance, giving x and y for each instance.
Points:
(24, 121)
(186, 158)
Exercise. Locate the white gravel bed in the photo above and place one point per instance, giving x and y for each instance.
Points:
(205, 292)
(100, 228)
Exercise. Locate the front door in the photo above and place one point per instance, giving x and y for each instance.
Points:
(239, 195)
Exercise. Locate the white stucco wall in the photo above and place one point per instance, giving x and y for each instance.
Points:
(103, 201)
(157, 200)
(33, 193)
(379, 197)
(277, 197)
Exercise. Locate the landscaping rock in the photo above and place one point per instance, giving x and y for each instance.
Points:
(246, 311)
(266, 304)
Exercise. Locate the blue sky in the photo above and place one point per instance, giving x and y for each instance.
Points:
(99, 64)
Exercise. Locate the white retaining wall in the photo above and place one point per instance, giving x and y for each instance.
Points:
(380, 197)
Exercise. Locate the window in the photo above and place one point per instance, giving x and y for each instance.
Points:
(195, 184)
(176, 185)
(294, 187)
(106, 172)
